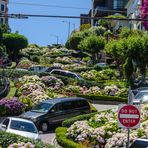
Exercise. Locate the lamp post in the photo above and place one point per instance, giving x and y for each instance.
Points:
(92, 13)
(68, 22)
(57, 37)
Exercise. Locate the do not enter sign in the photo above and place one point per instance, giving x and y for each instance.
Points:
(129, 116)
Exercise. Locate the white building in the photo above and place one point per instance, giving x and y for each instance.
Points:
(133, 12)
(3, 11)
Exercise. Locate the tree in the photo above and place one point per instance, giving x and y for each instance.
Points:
(93, 44)
(74, 40)
(14, 42)
(84, 27)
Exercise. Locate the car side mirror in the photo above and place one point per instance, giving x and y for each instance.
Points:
(4, 126)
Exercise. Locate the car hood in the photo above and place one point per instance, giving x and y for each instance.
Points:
(31, 115)
(34, 136)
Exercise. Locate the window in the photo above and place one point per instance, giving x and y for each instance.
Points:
(68, 105)
(57, 108)
(6, 122)
(82, 103)
(2, 7)
(118, 4)
(23, 126)
(2, 20)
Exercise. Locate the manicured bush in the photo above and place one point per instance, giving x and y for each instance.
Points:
(11, 107)
(12, 73)
(12, 66)
(102, 98)
(63, 140)
(69, 122)
(14, 42)
(12, 90)
(7, 138)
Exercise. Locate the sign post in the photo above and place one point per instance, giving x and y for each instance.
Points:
(128, 117)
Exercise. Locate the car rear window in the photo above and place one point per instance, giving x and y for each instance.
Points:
(23, 126)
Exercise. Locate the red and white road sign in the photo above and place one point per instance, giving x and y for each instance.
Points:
(129, 116)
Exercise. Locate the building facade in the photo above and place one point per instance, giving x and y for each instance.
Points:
(133, 12)
(102, 8)
(3, 11)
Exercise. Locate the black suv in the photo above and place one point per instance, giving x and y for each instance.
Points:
(54, 111)
(140, 143)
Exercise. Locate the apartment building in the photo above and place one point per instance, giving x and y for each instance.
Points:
(102, 8)
(3, 11)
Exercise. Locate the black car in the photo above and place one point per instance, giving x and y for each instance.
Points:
(54, 111)
(140, 143)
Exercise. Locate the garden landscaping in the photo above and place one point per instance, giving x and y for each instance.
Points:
(99, 129)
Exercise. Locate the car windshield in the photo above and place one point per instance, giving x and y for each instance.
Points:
(142, 95)
(42, 107)
(23, 126)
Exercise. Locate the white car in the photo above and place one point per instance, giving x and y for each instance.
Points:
(20, 126)
(65, 73)
(141, 97)
(101, 64)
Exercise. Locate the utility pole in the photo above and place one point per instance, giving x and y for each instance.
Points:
(57, 37)
(92, 13)
(68, 22)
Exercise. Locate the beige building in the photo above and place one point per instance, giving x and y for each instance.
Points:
(3, 11)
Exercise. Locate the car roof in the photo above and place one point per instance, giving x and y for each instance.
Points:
(58, 100)
(20, 119)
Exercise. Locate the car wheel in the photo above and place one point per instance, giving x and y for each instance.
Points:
(44, 126)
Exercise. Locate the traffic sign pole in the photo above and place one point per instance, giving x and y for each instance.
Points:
(128, 136)
(128, 117)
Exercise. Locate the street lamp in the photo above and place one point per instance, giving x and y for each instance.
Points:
(68, 22)
(57, 37)
(92, 13)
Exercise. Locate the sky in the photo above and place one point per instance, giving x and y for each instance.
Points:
(44, 31)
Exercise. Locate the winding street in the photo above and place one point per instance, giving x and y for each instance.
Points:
(49, 137)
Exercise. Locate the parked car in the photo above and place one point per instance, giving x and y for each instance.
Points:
(38, 69)
(51, 68)
(65, 73)
(101, 64)
(140, 143)
(20, 126)
(54, 111)
(141, 97)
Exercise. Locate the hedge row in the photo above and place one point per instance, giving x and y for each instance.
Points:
(12, 90)
(13, 73)
(102, 98)
(69, 122)
(7, 139)
(63, 140)
(12, 66)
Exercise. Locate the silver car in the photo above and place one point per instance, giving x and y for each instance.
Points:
(141, 97)
(20, 126)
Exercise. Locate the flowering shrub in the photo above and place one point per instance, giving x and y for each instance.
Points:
(97, 131)
(99, 75)
(52, 82)
(63, 60)
(111, 90)
(11, 106)
(25, 63)
(28, 88)
(55, 51)
(26, 79)
(22, 145)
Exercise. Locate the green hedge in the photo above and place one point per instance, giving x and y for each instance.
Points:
(69, 122)
(63, 140)
(13, 73)
(102, 98)
(7, 139)
(12, 90)
(12, 66)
